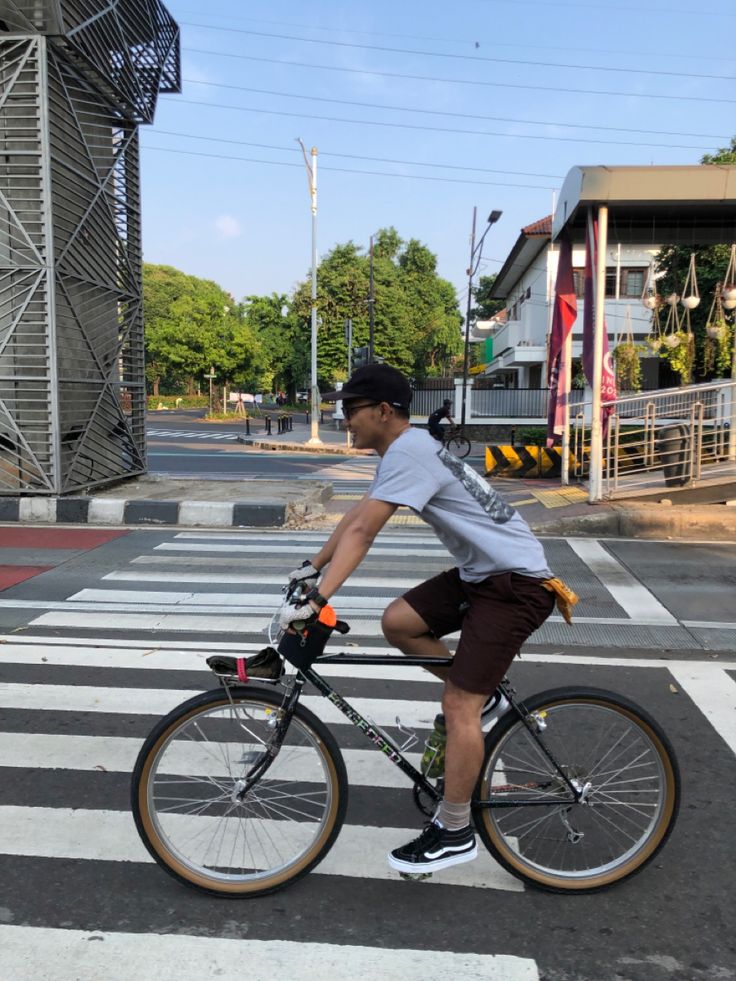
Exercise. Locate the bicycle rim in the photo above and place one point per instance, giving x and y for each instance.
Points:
(459, 446)
(187, 805)
(631, 785)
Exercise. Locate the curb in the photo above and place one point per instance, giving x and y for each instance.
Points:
(192, 514)
(684, 522)
(326, 448)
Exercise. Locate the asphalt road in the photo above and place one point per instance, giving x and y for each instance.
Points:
(108, 623)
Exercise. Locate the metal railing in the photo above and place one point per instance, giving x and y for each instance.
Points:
(674, 437)
(426, 400)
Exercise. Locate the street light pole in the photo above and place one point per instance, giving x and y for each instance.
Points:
(314, 439)
(472, 269)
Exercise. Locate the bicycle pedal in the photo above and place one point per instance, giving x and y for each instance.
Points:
(416, 876)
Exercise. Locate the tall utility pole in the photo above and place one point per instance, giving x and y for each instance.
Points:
(476, 252)
(371, 305)
(315, 399)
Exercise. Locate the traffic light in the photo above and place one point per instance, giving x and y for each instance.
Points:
(361, 357)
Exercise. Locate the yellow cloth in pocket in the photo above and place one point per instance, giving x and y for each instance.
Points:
(565, 597)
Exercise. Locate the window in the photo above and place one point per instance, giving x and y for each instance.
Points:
(631, 283)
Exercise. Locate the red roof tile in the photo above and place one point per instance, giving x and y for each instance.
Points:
(541, 227)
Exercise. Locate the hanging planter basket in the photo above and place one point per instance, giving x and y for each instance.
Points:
(728, 291)
(673, 299)
(650, 299)
(627, 358)
(690, 293)
(717, 345)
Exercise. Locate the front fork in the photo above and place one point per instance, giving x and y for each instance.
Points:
(280, 724)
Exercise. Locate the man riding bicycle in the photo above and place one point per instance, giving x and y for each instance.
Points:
(500, 592)
(436, 417)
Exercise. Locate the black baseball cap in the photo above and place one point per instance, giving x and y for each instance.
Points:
(378, 382)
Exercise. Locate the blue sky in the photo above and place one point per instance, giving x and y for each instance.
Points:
(493, 68)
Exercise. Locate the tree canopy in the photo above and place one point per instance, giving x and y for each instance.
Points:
(264, 342)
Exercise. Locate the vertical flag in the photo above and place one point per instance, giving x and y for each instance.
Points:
(608, 376)
(564, 316)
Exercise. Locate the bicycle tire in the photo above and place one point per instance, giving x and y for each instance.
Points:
(281, 830)
(586, 729)
(459, 446)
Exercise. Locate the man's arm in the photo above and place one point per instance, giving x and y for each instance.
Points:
(328, 549)
(354, 541)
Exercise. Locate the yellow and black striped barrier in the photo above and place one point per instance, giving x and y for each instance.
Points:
(543, 461)
(524, 461)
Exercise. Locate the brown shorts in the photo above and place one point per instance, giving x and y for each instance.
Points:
(495, 617)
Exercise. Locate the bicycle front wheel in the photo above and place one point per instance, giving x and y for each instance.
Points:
(612, 752)
(190, 808)
(459, 446)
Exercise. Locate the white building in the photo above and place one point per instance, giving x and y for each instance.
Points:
(527, 281)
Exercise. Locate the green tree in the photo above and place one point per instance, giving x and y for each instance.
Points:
(192, 324)
(485, 304)
(416, 318)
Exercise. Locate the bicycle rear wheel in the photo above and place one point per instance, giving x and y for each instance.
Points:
(188, 776)
(459, 446)
(607, 747)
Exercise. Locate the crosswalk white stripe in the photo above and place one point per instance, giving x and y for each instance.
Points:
(190, 655)
(241, 601)
(186, 622)
(234, 578)
(110, 836)
(48, 954)
(117, 754)
(630, 594)
(101, 652)
(714, 692)
(160, 701)
(384, 538)
(280, 549)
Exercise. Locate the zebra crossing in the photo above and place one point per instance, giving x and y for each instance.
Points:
(189, 434)
(83, 685)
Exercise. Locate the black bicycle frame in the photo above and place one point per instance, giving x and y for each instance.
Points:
(392, 751)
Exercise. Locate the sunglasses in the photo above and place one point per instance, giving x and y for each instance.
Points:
(349, 411)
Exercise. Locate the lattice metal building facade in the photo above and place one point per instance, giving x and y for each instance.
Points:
(77, 77)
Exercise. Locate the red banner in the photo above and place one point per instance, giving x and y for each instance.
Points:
(564, 316)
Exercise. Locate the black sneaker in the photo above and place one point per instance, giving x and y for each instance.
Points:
(436, 848)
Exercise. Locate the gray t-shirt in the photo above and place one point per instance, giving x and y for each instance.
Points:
(483, 533)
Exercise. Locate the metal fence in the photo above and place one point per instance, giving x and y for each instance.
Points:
(510, 403)
(671, 438)
(426, 400)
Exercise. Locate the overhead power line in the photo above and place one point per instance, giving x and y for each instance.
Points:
(567, 90)
(356, 156)
(487, 42)
(608, 9)
(475, 58)
(454, 114)
(438, 129)
(347, 170)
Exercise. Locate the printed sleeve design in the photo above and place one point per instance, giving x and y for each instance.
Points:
(489, 499)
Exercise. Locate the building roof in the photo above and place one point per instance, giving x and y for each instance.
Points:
(678, 205)
(541, 227)
(529, 244)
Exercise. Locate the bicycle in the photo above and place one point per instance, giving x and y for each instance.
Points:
(242, 790)
(458, 444)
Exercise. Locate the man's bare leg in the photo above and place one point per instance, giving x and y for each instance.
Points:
(464, 753)
(404, 628)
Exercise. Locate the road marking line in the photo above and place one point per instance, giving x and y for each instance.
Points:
(630, 594)
(117, 754)
(714, 693)
(174, 654)
(110, 836)
(160, 701)
(48, 954)
(135, 599)
(355, 582)
(259, 549)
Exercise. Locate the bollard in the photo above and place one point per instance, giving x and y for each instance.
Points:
(290, 423)
(268, 425)
(247, 426)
